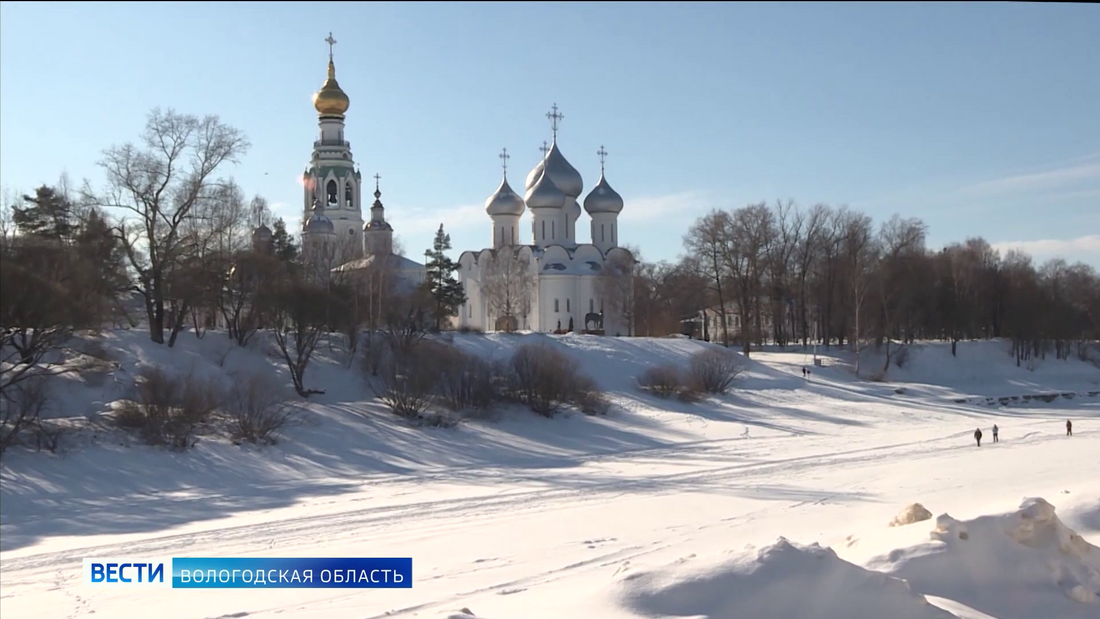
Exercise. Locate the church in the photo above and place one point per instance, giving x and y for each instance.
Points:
(335, 238)
(555, 283)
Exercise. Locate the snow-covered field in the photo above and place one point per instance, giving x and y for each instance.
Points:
(774, 501)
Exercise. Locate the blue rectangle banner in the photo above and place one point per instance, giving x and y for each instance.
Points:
(291, 573)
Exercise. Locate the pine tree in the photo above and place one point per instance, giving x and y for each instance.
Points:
(50, 215)
(441, 282)
(285, 247)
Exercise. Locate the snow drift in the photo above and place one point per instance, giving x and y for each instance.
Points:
(780, 581)
(1020, 565)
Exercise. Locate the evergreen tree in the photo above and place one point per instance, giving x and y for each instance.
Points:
(285, 247)
(441, 281)
(49, 215)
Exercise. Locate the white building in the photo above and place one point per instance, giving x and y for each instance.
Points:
(334, 236)
(563, 283)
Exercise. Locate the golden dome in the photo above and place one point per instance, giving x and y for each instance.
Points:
(330, 100)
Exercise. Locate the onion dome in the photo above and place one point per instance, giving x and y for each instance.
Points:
(545, 194)
(536, 172)
(318, 222)
(573, 209)
(331, 100)
(603, 199)
(504, 201)
(564, 175)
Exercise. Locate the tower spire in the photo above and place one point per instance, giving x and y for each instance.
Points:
(504, 157)
(554, 117)
(603, 157)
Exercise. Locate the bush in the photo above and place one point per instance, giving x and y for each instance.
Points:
(466, 382)
(168, 410)
(588, 397)
(662, 381)
(542, 378)
(21, 409)
(407, 382)
(257, 410)
(469, 329)
(714, 370)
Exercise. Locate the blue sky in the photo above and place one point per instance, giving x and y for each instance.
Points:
(982, 119)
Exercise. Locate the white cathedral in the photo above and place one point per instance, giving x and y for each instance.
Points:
(334, 236)
(562, 276)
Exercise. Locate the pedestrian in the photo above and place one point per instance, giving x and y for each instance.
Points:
(978, 436)
(1069, 428)
(994, 433)
(804, 372)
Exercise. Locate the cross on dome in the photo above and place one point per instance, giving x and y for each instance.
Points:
(555, 117)
(331, 41)
(603, 157)
(504, 157)
(544, 148)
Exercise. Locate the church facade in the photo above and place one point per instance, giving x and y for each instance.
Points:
(335, 239)
(554, 282)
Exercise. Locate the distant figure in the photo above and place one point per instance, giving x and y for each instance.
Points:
(1069, 428)
(978, 436)
(804, 372)
(994, 433)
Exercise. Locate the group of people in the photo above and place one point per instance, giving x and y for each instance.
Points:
(996, 439)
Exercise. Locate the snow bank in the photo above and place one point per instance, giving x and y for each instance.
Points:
(1020, 565)
(911, 514)
(781, 581)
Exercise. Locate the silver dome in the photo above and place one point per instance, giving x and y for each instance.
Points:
(504, 201)
(603, 199)
(545, 194)
(574, 209)
(535, 173)
(564, 175)
(318, 222)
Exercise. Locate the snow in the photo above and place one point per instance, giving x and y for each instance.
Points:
(617, 516)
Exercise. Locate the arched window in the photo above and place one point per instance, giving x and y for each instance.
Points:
(349, 196)
(330, 189)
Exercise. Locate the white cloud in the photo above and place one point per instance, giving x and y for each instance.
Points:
(1059, 178)
(1084, 248)
(670, 206)
(414, 220)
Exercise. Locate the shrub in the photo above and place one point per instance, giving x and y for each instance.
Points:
(407, 382)
(588, 397)
(543, 378)
(466, 382)
(662, 381)
(714, 370)
(257, 409)
(21, 409)
(469, 329)
(167, 410)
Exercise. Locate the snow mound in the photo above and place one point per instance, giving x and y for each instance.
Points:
(911, 514)
(780, 581)
(1019, 565)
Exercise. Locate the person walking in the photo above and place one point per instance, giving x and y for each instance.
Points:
(1069, 428)
(994, 433)
(978, 436)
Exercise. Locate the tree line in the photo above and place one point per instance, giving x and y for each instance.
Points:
(783, 274)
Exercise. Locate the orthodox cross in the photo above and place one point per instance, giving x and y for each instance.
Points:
(554, 117)
(504, 157)
(377, 180)
(603, 157)
(544, 148)
(331, 41)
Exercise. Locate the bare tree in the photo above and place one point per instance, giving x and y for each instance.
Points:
(750, 232)
(298, 310)
(158, 185)
(860, 254)
(615, 285)
(707, 242)
(902, 245)
(508, 286)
